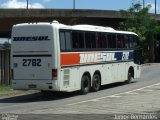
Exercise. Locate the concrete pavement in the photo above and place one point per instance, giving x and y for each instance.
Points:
(138, 104)
(136, 101)
(139, 101)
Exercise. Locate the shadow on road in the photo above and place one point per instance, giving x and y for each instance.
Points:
(52, 96)
(104, 87)
(37, 97)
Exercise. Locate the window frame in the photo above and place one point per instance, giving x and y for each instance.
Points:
(108, 48)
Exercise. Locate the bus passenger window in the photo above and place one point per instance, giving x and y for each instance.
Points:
(99, 40)
(109, 40)
(93, 40)
(81, 40)
(114, 41)
(77, 40)
(88, 40)
(62, 40)
(104, 41)
(130, 41)
(74, 40)
(135, 41)
(120, 41)
(68, 40)
(126, 37)
(65, 40)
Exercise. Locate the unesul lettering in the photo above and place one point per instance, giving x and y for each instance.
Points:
(33, 38)
(97, 57)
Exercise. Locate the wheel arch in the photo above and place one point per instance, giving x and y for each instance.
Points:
(131, 70)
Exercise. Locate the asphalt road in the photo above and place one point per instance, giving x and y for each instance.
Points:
(57, 103)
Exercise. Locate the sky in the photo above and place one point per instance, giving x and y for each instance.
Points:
(80, 4)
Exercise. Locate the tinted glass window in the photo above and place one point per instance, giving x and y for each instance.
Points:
(135, 41)
(131, 41)
(62, 40)
(93, 40)
(77, 40)
(120, 41)
(88, 40)
(112, 40)
(102, 40)
(65, 40)
(126, 41)
(68, 40)
(99, 40)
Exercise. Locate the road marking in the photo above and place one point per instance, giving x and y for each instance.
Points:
(157, 87)
(94, 100)
(147, 90)
(131, 93)
(119, 94)
(114, 96)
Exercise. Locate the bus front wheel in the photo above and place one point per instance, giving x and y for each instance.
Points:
(85, 84)
(130, 77)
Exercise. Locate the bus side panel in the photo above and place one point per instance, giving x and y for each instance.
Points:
(106, 74)
(114, 72)
(110, 73)
(70, 79)
(120, 71)
(88, 69)
(137, 70)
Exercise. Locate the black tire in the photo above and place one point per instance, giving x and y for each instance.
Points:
(130, 77)
(85, 84)
(96, 82)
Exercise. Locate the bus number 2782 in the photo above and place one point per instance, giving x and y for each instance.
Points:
(31, 62)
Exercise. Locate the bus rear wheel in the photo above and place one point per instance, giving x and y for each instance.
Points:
(85, 84)
(96, 82)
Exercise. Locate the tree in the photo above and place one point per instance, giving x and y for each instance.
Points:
(138, 20)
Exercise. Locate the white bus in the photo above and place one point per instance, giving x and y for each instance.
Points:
(57, 57)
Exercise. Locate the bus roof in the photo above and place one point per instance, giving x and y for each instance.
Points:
(83, 27)
(95, 28)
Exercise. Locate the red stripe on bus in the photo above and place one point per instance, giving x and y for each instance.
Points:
(70, 59)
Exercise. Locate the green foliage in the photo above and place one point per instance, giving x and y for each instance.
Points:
(138, 20)
(4, 88)
(6, 45)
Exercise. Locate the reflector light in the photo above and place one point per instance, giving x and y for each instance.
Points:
(54, 73)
